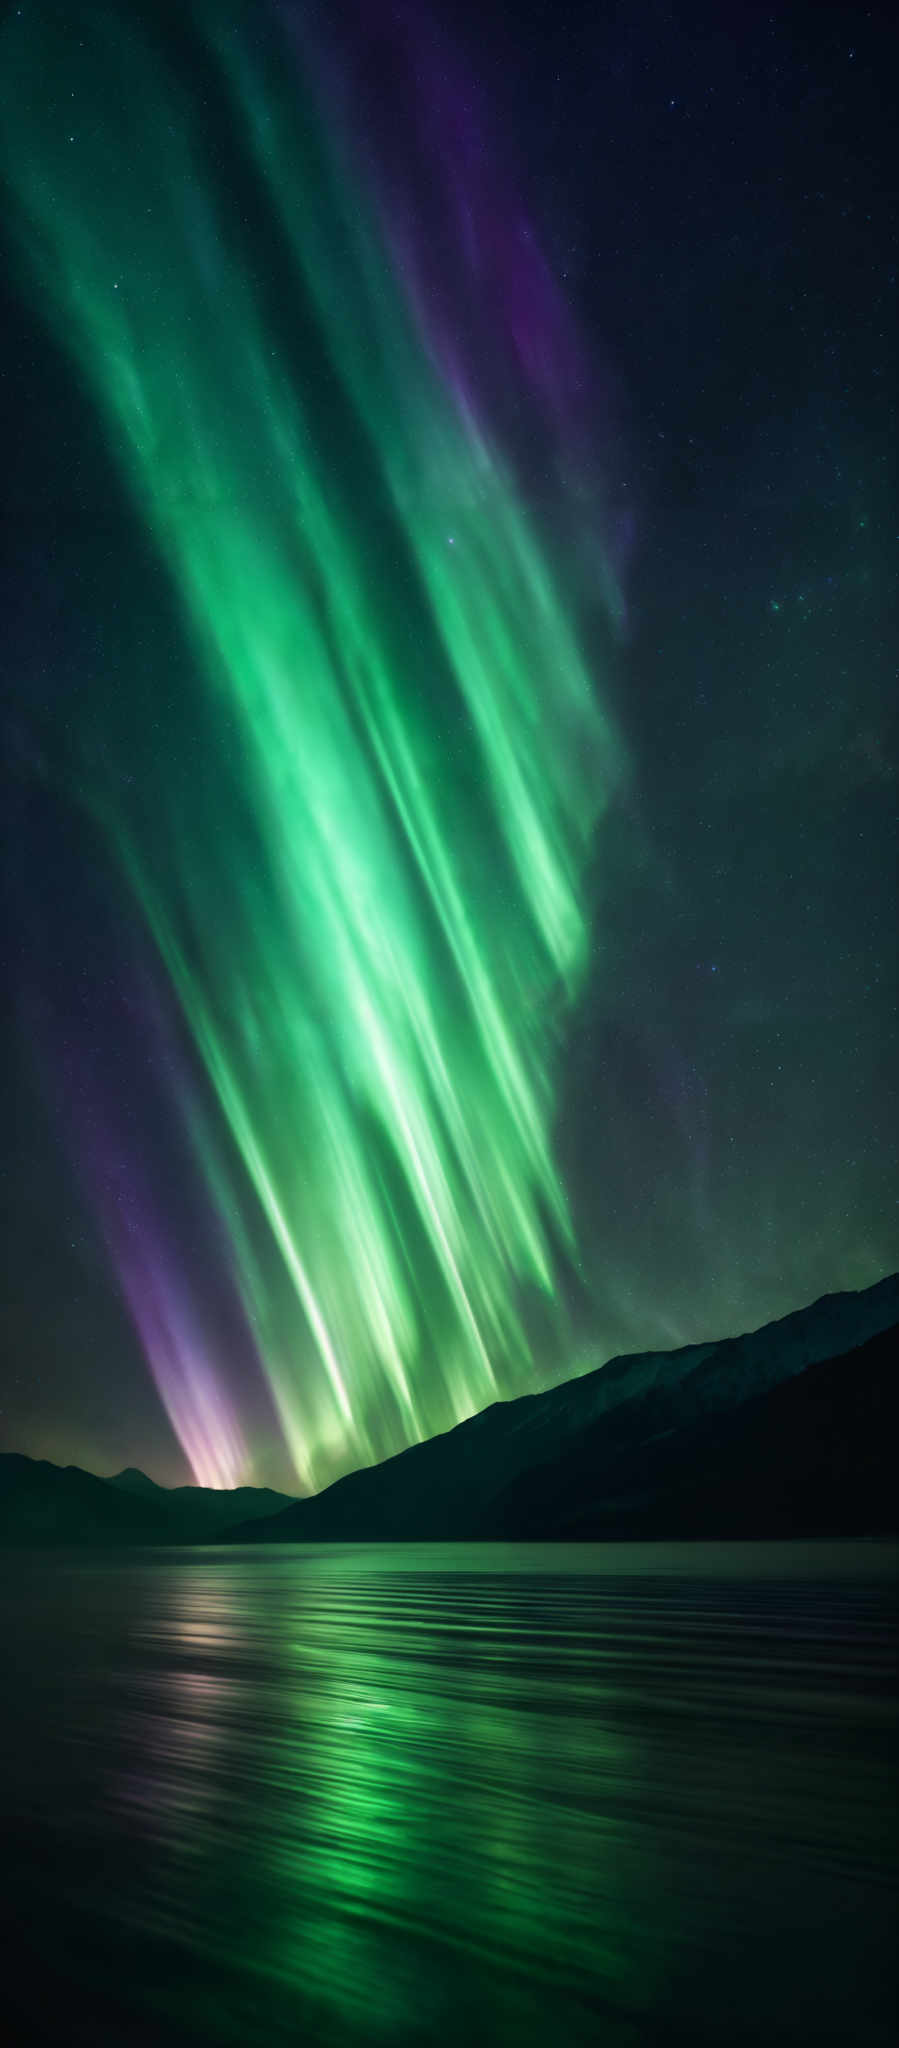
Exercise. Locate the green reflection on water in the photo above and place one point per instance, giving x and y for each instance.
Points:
(638, 1794)
(391, 1797)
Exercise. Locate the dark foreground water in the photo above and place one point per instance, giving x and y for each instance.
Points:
(517, 1795)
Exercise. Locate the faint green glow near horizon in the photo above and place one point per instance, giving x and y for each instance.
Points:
(369, 936)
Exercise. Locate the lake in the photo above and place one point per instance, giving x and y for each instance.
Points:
(620, 1794)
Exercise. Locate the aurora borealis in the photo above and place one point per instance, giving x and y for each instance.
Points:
(368, 982)
(385, 1094)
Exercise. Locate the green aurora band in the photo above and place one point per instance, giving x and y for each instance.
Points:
(373, 915)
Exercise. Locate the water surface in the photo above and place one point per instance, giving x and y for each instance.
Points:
(635, 1794)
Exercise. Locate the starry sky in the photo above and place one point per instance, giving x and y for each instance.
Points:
(449, 672)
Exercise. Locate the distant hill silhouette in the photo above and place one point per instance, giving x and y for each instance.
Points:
(784, 1431)
(130, 1480)
(203, 1510)
(55, 1504)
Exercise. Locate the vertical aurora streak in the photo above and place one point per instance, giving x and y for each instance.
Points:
(371, 909)
(162, 1287)
(168, 1323)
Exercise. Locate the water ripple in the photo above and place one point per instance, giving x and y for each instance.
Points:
(637, 1794)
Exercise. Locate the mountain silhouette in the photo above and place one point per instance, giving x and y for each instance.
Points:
(785, 1431)
(749, 1435)
(41, 1503)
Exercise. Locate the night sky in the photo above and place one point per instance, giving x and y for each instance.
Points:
(448, 708)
